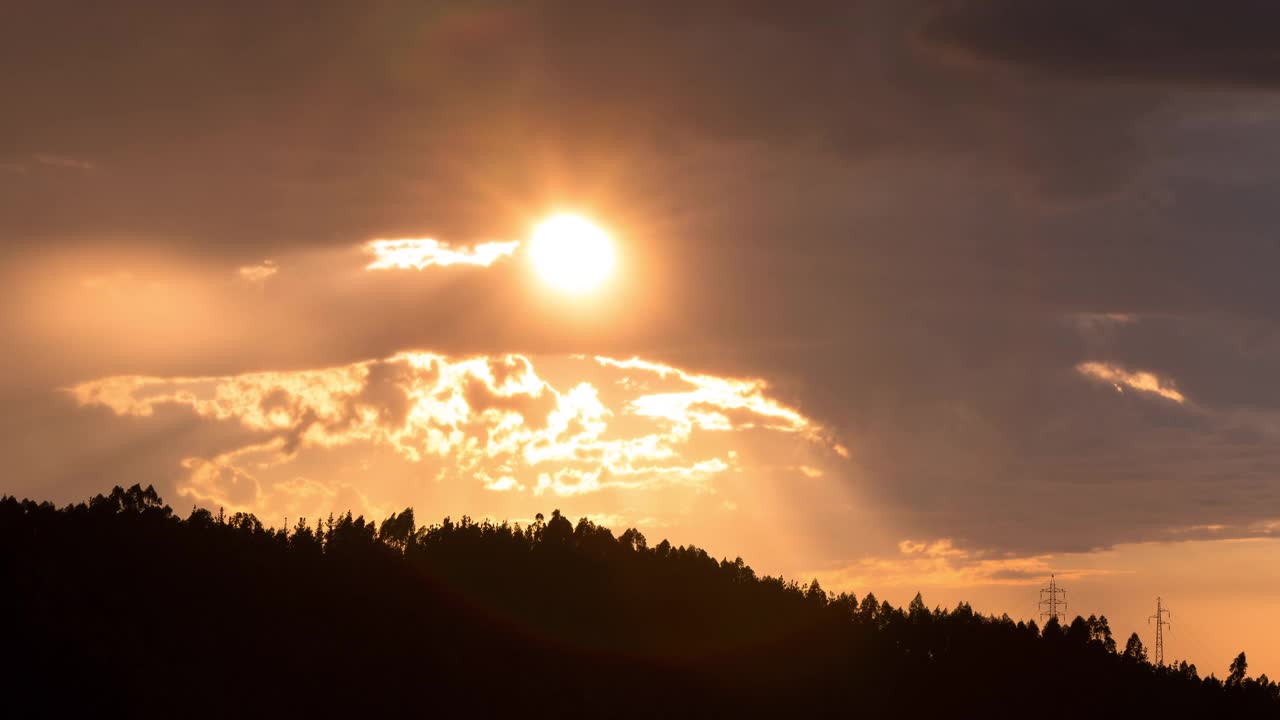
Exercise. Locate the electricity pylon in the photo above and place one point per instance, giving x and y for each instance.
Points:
(1161, 624)
(1049, 606)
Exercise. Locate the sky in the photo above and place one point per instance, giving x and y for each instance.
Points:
(906, 295)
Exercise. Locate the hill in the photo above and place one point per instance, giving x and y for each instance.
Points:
(118, 607)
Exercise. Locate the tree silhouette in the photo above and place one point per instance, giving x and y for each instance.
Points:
(120, 608)
(1236, 673)
(1134, 649)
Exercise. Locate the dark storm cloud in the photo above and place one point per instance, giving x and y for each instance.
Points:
(1179, 42)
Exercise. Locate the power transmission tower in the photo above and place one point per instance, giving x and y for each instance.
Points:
(1161, 624)
(1050, 606)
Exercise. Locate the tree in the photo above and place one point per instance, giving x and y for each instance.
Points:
(815, 594)
(1134, 650)
(633, 539)
(559, 530)
(917, 610)
(1101, 631)
(868, 609)
(397, 529)
(1236, 673)
(135, 501)
(333, 604)
(1080, 631)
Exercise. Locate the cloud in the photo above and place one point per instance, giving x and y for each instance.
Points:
(63, 162)
(222, 481)
(712, 403)
(423, 253)
(921, 563)
(1176, 42)
(1095, 323)
(1139, 380)
(1267, 527)
(544, 111)
(258, 274)
(490, 420)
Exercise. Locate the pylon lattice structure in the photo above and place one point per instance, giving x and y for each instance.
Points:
(1051, 607)
(1161, 624)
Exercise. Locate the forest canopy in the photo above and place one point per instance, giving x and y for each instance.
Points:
(117, 605)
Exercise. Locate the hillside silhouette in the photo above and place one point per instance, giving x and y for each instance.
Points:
(117, 607)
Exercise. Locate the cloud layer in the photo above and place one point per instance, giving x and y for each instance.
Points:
(1174, 42)
(488, 421)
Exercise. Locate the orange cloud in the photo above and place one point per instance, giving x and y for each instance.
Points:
(708, 402)
(419, 253)
(1121, 378)
(258, 274)
(940, 563)
(491, 420)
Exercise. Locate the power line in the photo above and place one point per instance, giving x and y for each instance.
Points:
(1161, 624)
(1050, 606)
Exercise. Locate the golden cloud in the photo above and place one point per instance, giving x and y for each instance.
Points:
(708, 402)
(258, 274)
(1120, 378)
(939, 562)
(491, 419)
(419, 253)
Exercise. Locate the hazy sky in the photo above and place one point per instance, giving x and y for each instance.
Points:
(907, 295)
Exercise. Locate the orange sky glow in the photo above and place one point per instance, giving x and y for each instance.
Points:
(693, 455)
(820, 285)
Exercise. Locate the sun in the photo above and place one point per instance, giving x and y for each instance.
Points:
(571, 254)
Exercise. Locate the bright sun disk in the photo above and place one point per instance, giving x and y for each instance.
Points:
(570, 253)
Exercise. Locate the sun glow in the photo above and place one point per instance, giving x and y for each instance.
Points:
(571, 254)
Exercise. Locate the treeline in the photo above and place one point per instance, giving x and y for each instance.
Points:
(118, 607)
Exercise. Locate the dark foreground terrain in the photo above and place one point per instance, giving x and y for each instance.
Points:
(118, 607)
